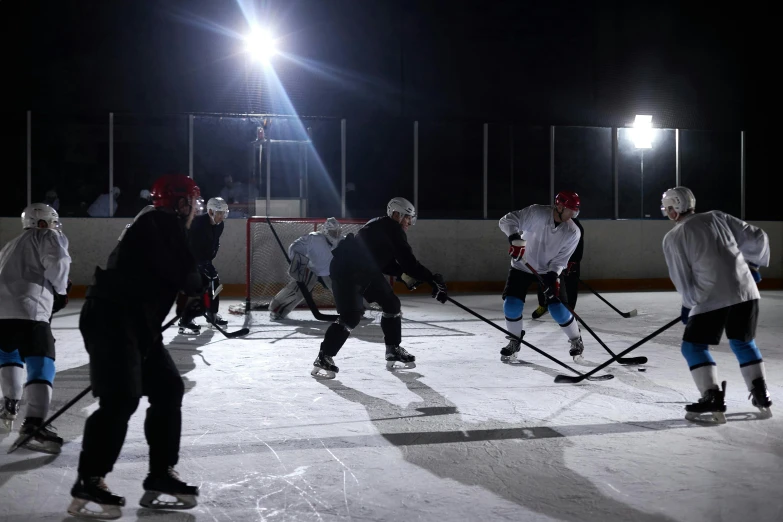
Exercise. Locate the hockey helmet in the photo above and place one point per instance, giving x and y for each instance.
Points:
(170, 188)
(403, 206)
(217, 205)
(681, 199)
(37, 212)
(331, 227)
(569, 200)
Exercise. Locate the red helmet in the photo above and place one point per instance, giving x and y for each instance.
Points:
(568, 199)
(170, 188)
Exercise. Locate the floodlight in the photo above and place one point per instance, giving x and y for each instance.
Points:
(642, 131)
(260, 45)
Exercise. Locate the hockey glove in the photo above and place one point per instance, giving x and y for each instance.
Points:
(439, 288)
(517, 248)
(196, 306)
(409, 281)
(572, 265)
(684, 313)
(754, 271)
(61, 301)
(298, 269)
(552, 286)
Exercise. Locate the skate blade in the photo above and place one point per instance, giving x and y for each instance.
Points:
(709, 417)
(510, 359)
(51, 448)
(6, 426)
(390, 365)
(764, 412)
(157, 500)
(78, 508)
(579, 359)
(322, 374)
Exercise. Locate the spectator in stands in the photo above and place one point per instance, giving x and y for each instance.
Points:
(100, 207)
(233, 192)
(52, 199)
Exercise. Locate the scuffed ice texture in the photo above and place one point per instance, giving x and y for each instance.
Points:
(461, 437)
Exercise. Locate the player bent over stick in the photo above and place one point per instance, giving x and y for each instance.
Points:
(357, 270)
(550, 238)
(713, 261)
(33, 285)
(121, 322)
(310, 256)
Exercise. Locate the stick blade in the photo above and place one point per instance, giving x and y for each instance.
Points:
(632, 360)
(632, 313)
(606, 377)
(568, 378)
(238, 333)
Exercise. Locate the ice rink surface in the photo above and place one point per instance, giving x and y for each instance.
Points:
(461, 437)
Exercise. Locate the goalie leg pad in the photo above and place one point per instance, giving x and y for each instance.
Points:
(286, 300)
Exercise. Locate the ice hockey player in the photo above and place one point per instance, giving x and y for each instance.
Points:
(204, 241)
(569, 278)
(714, 261)
(33, 285)
(121, 324)
(357, 271)
(550, 238)
(310, 257)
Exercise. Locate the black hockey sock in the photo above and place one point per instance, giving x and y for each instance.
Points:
(392, 329)
(335, 338)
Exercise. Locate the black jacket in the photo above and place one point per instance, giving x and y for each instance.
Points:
(204, 238)
(381, 245)
(576, 257)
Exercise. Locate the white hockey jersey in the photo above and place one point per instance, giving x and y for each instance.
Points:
(548, 247)
(317, 248)
(708, 255)
(33, 266)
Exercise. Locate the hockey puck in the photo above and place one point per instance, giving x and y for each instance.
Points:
(642, 369)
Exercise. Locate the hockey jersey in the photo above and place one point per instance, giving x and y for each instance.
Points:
(708, 255)
(548, 247)
(33, 267)
(317, 248)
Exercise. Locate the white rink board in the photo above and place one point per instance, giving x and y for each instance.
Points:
(461, 437)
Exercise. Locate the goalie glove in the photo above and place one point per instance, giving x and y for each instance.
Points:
(439, 288)
(517, 248)
(298, 269)
(409, 281)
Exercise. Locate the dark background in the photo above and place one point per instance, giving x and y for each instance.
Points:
(381, 64)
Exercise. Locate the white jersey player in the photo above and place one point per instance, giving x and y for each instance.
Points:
(33, 285)
(310, 257)
(543, 237)
(713, 261)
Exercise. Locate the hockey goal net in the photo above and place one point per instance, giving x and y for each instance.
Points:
(268, 240)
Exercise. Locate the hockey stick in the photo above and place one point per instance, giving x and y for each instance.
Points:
(302, 287)
(572, 379)
(213, 323)
(18, 444)
(632, 313)
(628, 360)
(564, 365)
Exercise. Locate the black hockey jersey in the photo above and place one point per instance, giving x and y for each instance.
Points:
(204, 238)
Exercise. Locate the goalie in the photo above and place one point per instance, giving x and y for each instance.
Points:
(310, 257)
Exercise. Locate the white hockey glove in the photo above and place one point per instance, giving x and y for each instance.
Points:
(409, 281)
(298, 269)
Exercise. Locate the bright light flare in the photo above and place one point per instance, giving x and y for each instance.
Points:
(642, 132)
(260, 45)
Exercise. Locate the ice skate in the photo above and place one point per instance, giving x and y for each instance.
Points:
(508, 354)
(189, 328)
(577, 347)
(274, 316)
(45, 441)
(9, 413)
(539, 312)
(216, 319)
(161, 489)
(324, 367)
(93, 490)
(760, 398)
(710, 408)
(398, 354)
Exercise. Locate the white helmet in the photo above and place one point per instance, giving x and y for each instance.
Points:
(217, 205)
(681, 199)
(331, 227)
(403, 206)
(37, 212)
(145, 194)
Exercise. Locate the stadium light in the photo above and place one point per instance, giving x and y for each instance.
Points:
(260, 45)
(642, 131)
